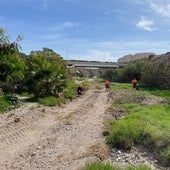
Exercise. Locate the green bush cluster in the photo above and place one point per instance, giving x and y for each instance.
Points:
(46, 73)
(125, 133)
(41, 73)
(7, 102)
(4, 104)
(149, 73)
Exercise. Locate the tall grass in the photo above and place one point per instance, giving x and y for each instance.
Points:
(100, 166)
(121, 85)
(106, 166)
(158, 92)
(149, 124)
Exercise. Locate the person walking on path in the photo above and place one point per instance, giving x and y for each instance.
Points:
(107, 85)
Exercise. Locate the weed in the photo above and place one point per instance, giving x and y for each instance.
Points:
(125, 133)
(107, 166)
(121, 86)
(166, 156)
(158, 92)
(129, 96)
(8, 102)
(99, 166)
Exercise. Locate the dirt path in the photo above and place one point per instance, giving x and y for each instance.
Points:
(59, 138)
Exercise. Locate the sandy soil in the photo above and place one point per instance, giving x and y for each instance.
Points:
(34, 137)
(60, 138)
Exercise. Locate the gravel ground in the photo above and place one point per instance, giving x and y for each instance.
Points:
(35, 137)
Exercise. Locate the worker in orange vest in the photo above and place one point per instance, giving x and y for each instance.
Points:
(107, 85)
(134, 83)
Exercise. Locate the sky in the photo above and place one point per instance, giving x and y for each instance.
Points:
(93, 30)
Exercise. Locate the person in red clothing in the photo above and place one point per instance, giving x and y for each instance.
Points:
(107, 85)
(134, 83)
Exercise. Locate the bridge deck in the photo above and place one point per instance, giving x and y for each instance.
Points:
(92, 64)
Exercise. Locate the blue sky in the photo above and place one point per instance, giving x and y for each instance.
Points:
(101, 30)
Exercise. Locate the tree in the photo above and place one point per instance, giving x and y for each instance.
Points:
(46, 73)
(111, 75)
(132, 70)
(11, 65)
(156, 74)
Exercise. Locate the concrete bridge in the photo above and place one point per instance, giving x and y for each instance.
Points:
(90, 68)
(79, 63)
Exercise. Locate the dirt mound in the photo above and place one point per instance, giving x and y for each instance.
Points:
(38, 137)
(59, 138)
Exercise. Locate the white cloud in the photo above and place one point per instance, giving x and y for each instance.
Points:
(99, 51)
(61, 26)
(82, 49)
(94, 55)
(115, 11)
(137, 2)
(161, 9)
(69, 24)
(50, 37)
(145, 24)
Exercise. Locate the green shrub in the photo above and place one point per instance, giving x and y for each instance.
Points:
(165, 156)
(4, 104)
(71, 90)
(156, 74)
(69, 94)
(125, 133)
(46, 73)
(166, 153)
(7, 102)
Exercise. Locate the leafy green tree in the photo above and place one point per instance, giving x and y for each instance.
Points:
(11, 65)
(132, 70)
(127, 73)
(156, 74)
(46, 73)
(111, 75)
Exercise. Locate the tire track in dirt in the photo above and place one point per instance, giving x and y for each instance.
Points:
(54, 138)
